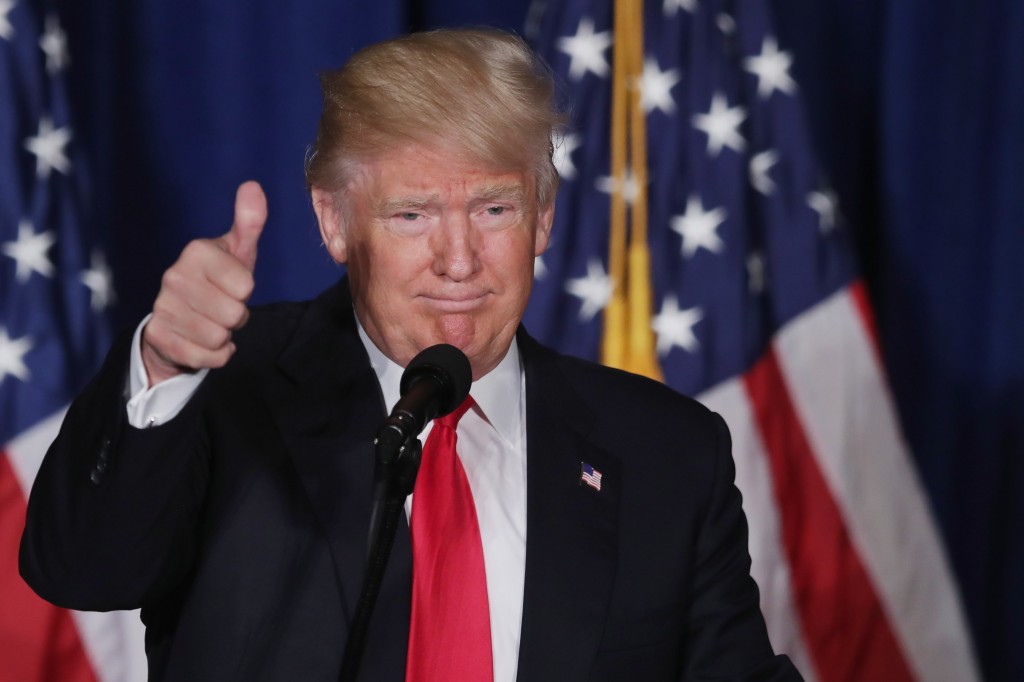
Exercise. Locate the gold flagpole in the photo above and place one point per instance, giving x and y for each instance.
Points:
(628, 340)
(613, 342)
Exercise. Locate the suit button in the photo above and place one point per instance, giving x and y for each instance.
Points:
(101, 466)
(105, 451)
(95, 476)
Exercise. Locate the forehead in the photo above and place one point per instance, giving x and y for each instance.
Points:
(428, 172)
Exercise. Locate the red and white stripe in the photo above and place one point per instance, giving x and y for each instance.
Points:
(854, 581)
(38, 641)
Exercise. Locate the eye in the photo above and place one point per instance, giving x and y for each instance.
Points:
(411, 223)
(495, 210)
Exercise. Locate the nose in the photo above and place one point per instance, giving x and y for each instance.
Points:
(456, 248)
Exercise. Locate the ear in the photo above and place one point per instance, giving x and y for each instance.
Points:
(332, 227)
(545, 219)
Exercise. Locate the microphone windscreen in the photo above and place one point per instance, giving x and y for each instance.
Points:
(449, 366)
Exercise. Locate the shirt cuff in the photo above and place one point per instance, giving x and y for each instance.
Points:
(151, 406)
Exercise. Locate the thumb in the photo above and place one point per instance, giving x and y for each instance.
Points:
(250, 216)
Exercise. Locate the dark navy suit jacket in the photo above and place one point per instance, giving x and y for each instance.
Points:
(239, 526)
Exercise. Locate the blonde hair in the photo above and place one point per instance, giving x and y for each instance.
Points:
(482, 92)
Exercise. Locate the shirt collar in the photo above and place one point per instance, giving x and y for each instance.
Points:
(498, 394)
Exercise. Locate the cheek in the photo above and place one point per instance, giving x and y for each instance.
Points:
(509, 262)
(515, 255)
(394, 265)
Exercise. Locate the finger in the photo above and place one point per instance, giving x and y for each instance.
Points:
(205, 264)
(175, 315)
(218, 294)
(250, 217)
(206, 300)
(166, 353)
(178, 338)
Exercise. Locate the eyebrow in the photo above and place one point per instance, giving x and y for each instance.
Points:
(396, 204)
(509, 191)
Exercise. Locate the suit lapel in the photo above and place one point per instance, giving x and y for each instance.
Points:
(571, 529)
(328, 405)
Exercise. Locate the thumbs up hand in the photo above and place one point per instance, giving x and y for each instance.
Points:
(202, 298)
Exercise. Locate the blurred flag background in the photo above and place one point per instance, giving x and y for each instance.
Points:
(756, 308)
(56, 293)
(812, 167)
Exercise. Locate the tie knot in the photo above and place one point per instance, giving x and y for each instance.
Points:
(451, 419)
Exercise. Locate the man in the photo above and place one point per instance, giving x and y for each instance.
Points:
(218, 471)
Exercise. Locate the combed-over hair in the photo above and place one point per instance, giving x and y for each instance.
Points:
(480, 92)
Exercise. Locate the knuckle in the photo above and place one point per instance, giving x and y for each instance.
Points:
(195, 249)
(173, 278)
(191, 356)
(241, 283)
(238, 313)
(219, 337)
(171, 350)
(161, 310)
(223, 355)
(214, 358)
(155, 337)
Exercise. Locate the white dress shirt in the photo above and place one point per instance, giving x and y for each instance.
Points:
(151, 406)
(491, 446)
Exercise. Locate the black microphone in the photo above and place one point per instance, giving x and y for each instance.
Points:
(434, 383)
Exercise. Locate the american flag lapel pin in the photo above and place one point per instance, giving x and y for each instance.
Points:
(590, 476)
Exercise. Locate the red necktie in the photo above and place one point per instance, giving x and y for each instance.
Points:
(450, 633)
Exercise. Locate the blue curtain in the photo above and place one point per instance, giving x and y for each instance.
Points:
(951, 276)
(916, 109)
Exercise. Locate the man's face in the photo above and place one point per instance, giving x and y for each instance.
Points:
(439, 250)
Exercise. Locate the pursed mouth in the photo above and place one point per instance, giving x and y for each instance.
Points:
(455, 304)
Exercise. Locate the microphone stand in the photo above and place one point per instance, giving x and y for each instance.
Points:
(433, 383)
(398, 462)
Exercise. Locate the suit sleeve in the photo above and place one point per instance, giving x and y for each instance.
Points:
(112, 513)
(727, 638)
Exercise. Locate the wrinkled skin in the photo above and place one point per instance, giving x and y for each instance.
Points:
(439, 250)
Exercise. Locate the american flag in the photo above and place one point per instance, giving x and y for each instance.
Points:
(590, 476)
(757, 310)
(55, 287)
